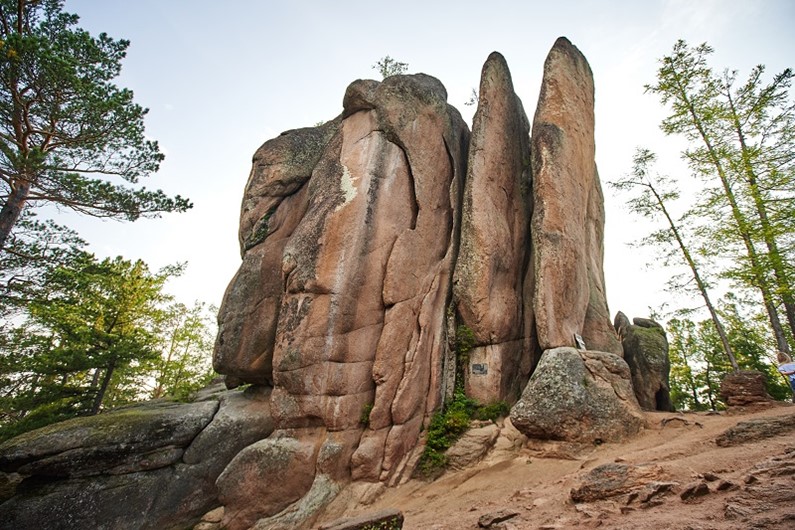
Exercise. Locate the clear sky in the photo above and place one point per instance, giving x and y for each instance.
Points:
(220, 78)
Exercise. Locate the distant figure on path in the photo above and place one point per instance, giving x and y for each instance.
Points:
(787, 368)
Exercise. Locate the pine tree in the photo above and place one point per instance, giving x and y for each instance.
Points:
(68, 135)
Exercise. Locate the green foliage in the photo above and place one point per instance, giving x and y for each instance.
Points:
(33, 249)
(186, 337)
(492, 411)
(697, 364)
(653, 195)
(740, 147)
(464, 339)
(448, 425)
(364, 419)
(387, 66)
(95, 335)
(64, 125)
(462, 345)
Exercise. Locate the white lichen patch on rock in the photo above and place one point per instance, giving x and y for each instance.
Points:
(347, 187)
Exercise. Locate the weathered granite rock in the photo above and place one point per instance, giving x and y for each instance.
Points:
(615, 479)
(578, 396)
(342, 310)
(694, 490)
(646, 352)
(767, 500)
(133, 438)
(744, 388)
(246, 487)
(274, 202)
(491, 269)
(147, 466)
(756, 429)
(567, 229)
(472, 446)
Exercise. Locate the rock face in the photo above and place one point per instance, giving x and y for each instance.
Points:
(579, 396)
(646, 353)
(567, 229)
(148, 466)
(349, 236)
(493, 293)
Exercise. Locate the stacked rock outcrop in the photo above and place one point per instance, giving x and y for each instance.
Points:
(376, 245)
(152, 465)
(367, 240)
(646, 353)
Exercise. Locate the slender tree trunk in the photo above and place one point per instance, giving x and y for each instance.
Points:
(691, 380)
(95, 379)
(702, 287)
(12, 209)
(774, 255)
(742, 225)
(103, 388)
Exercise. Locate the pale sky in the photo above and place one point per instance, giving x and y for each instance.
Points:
(220, 78)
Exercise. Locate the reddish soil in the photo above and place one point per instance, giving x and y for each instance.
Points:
(536, 479)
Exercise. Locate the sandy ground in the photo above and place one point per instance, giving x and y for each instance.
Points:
(535, 480)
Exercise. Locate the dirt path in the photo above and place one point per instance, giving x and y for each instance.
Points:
(678, 449)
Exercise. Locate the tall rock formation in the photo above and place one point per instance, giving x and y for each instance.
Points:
(349, 238)
(492, 288)
(568, 219)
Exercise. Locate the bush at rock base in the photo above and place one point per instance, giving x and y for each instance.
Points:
(448, 425)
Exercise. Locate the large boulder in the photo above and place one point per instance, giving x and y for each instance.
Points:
(567, 229)
(146, 466)
(646, 353)
(491, 271)
(744, 388)
(579, 396)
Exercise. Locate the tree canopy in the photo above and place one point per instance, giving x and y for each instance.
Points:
(97, 334)
(742, 149)
(68, 134)
(736, 232)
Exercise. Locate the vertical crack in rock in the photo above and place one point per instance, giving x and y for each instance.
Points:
(415, 206)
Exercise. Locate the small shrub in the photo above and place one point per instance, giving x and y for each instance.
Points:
(464, 339)
(364, 419)
(492, 411)
(448, 425)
